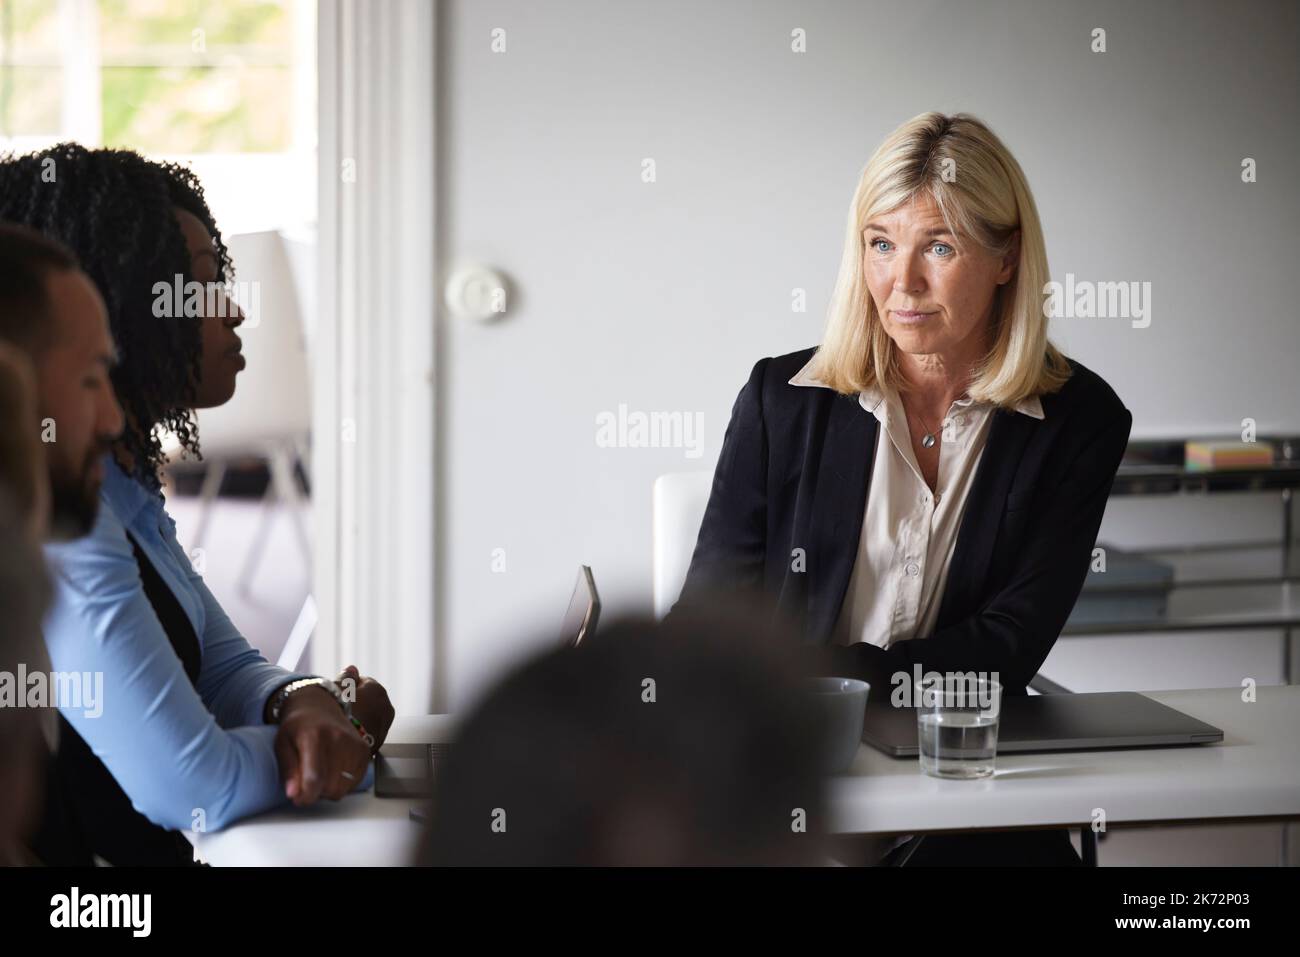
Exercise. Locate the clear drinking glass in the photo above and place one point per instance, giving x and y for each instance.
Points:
(957, 723)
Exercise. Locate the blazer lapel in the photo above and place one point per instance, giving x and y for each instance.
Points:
(838, 508)
(1008, 434)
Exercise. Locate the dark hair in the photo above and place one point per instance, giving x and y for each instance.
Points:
(586, 771)
(114, 209)
(26, 260)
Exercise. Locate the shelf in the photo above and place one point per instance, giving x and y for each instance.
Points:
(1243, 586)
(1239, 607)
(1168, 480)
(1211, 566)
(1157, 468)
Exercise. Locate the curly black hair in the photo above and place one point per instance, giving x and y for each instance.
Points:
(115, 210)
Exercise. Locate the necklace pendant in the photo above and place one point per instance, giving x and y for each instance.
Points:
(927, 441)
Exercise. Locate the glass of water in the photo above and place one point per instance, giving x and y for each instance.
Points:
(957, 723)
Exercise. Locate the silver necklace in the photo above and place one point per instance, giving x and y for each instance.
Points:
(928, 439)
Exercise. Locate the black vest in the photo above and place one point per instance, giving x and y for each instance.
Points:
(86, 812)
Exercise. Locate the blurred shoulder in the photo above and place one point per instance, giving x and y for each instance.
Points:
(99, 564)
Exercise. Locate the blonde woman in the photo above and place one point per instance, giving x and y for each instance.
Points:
(925, 488)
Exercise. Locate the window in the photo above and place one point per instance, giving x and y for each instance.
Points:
(228, 86)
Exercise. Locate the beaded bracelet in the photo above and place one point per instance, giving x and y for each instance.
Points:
(365, 735)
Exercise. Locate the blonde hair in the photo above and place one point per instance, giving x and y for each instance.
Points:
(983, 196)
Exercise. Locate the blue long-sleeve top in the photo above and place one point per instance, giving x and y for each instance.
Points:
(174, 747)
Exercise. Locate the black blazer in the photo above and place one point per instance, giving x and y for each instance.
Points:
(794, 473)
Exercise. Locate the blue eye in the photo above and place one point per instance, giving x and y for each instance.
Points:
(936, 247)
(875, 244)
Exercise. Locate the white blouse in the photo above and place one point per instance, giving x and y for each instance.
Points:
(908, 534)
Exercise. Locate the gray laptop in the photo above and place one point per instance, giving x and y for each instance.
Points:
(1056, 722)
(407, 770)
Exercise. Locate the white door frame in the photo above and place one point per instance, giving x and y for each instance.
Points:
(374, 365)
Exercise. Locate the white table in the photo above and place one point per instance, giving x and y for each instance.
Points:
(360, 830)
(1253, 774)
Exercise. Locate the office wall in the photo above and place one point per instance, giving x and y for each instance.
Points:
(659, 296)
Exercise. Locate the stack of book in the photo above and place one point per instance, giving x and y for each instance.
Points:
(1228, 455)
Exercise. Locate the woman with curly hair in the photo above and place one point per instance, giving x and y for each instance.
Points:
(193, 728)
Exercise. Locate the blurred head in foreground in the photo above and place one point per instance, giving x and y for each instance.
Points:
(24, 592)
(683, 743)
(27, 729)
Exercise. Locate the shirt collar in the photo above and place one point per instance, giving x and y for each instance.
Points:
(872, 396)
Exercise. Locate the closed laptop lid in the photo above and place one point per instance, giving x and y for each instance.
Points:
(1056, 722)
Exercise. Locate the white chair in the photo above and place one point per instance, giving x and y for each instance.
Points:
(270, 416)
(680, 499)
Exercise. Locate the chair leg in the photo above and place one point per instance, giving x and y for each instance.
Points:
(301, 445)
(254, 554)
(907, 855)
(207, 497)
(282, 490)
(1088, 845)
(286, 485)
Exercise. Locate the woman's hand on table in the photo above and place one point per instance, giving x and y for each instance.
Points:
(319, 752)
